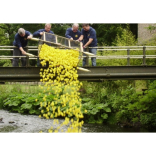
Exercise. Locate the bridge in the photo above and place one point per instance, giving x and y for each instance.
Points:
(98, 73)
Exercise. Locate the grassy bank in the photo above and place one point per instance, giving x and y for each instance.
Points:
(113, 102)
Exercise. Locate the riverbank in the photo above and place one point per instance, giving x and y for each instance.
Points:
(17, 123)
(115, 103)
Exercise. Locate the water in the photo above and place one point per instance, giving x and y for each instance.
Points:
(17, 123)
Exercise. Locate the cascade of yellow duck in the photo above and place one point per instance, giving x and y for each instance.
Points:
(61, 86)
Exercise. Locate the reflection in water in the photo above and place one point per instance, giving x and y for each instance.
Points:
(17, 123)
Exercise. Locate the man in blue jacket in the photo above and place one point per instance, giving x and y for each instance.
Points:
(21, 41)
(88, 35)
(48, 37)
(73, 33)
(47, 29)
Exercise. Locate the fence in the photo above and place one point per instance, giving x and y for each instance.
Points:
(128, 50)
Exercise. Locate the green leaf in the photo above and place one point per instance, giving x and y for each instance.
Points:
(99, 121)
(26, 106)
(31, 111)
(104, 116)
(13, 104)
(94, 111)
(86, 99)
(107, 109)
(99, 106)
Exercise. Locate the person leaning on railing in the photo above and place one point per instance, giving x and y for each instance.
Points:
(88, 35)
(20, 41)
(73, 33)
(48, 37)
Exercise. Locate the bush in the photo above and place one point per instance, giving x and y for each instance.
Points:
(5, 63)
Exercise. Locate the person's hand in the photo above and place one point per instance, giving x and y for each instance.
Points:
(78, 40)
(84, 46)
(71, 38)
(23, 52)
(29, 37)
(41, 33)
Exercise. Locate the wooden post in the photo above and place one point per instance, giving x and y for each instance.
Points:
(81, 49)
(144, 56)
(81, 46)
(69, 43)
(128, 58)
(44, 36)
(27, 61)
(87, 58)
(56, 39)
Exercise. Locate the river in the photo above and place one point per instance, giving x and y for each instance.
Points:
(17, 123)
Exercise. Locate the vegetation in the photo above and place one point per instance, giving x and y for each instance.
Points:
(113, 102)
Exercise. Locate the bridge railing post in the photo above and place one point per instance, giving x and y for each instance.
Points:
(87, 58)
(128, 57)
(27, 58)
(27, 61)
(144, 56)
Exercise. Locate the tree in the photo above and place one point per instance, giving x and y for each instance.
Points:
(106, 33)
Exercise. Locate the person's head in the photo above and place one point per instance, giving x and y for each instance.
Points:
(85, 26)
(47, 27)
(21, 32)
(75, 27)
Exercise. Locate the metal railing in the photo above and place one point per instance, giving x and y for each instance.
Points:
(128, 50)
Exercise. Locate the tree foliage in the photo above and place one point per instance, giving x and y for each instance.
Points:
(106, 33)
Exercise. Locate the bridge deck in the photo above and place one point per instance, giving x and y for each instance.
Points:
(96, 74)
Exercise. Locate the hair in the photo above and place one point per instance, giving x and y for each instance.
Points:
(21, 31)
(75, 24)
(47, 24)
(85, 24)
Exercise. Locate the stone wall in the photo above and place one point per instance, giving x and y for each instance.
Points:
(143, 33)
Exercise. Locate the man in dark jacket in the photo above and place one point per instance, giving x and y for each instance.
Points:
(47, 29)
(48, 37)
(73, 33)
(21, 41)
(88, 35)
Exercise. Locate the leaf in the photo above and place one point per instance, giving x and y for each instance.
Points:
(94, 111)
(91, 119)
(31, 111)
(99, 106)
(15, 109)
(99, 121)
(13, 104)
(26, 106)
(86, 99)
(107, 109)
(104, 116)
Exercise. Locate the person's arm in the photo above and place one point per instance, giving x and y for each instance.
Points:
(68, 34)
(38, 33)
(81, 38)
(30, 36)
(92, 36)
(22, 50)
(19, 45)
(88, 43)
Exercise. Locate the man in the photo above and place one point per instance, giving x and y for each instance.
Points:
(48, 37)
(47, 29)
(73, 33)
(88, 35)
(21, 41)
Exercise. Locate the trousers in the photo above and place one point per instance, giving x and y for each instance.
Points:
(93, 59)
(17, 52)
